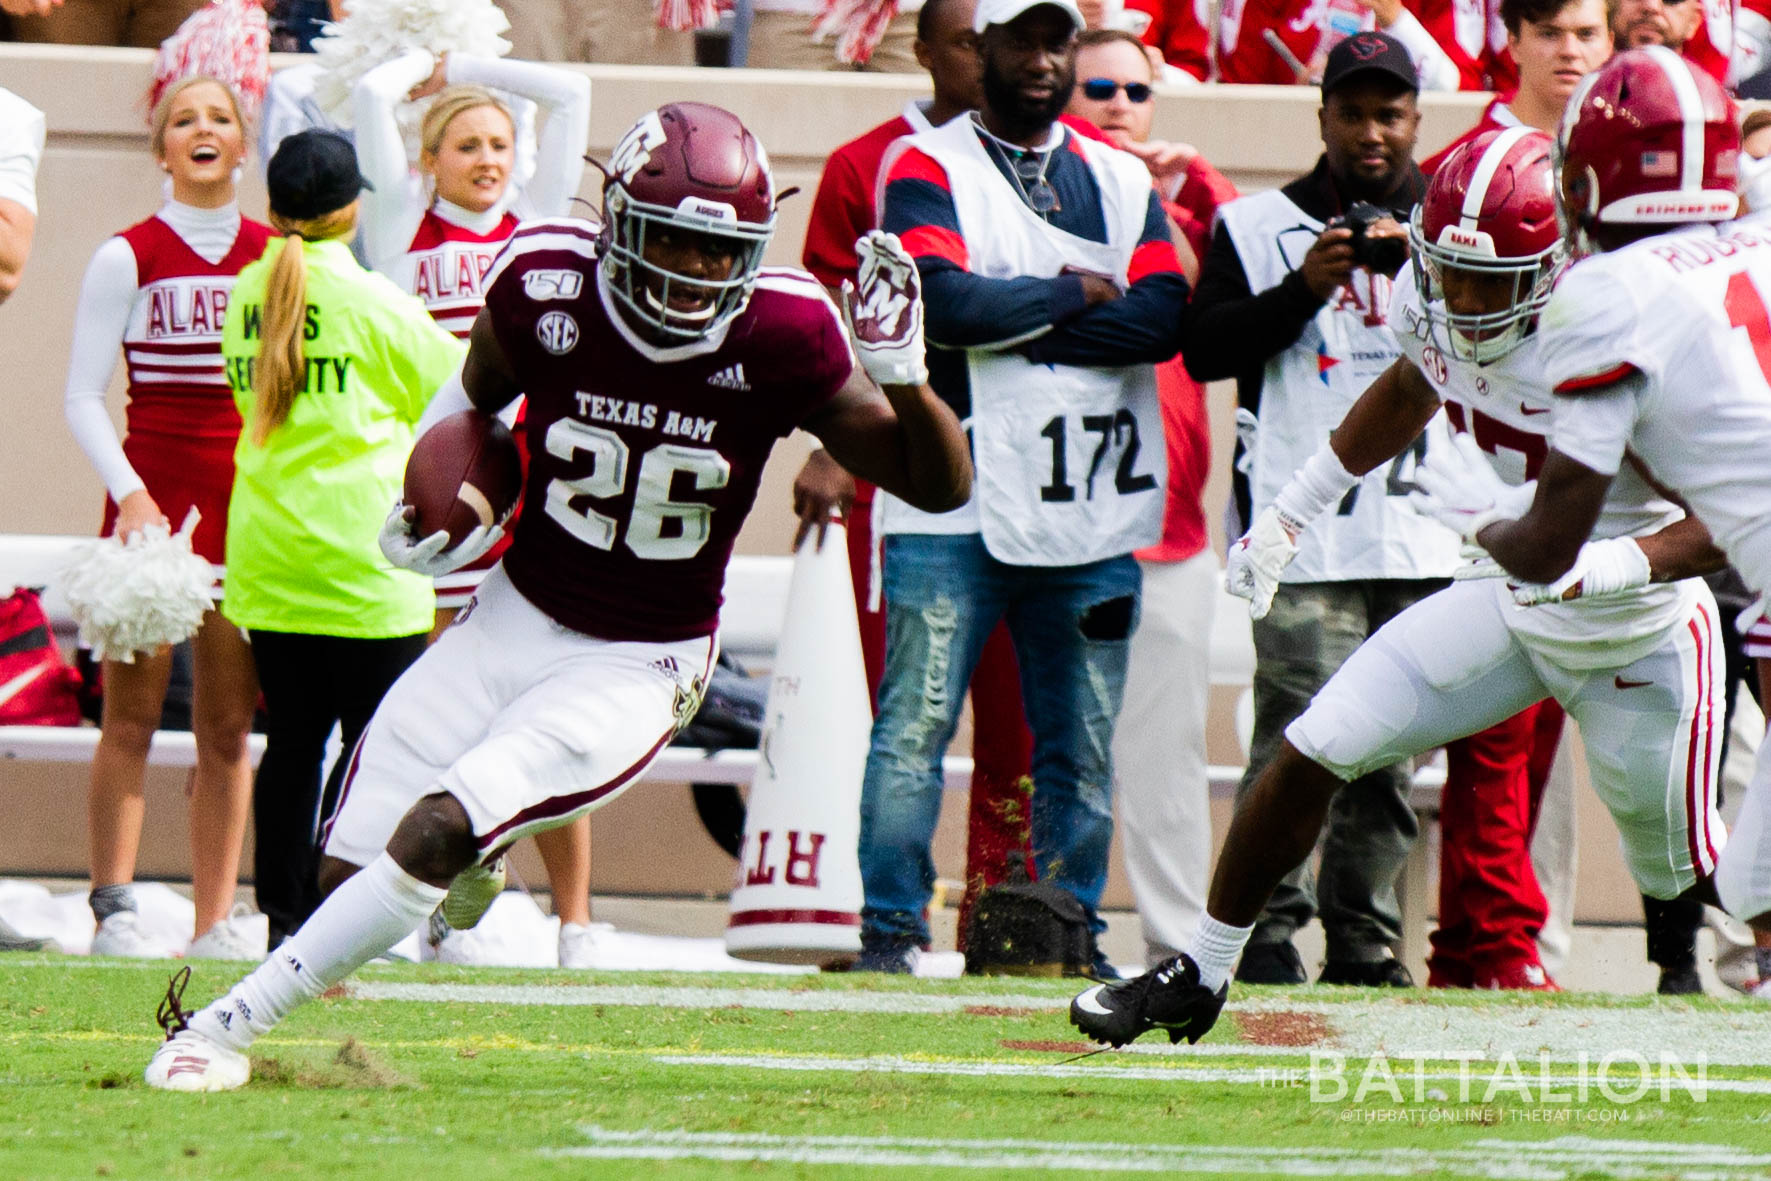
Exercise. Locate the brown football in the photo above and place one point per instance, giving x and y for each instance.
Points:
(463, 472)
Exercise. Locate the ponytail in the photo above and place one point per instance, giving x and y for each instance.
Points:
(280, 370)
(281, 366)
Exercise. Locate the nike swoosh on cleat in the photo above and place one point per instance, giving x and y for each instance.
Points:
(1088, 1004)
(1623, 684)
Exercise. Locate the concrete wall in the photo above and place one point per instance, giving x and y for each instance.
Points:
(97, 177)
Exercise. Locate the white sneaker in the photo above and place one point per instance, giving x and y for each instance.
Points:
(463, 947)
(578, 943)
(472, 893)
(121, 935)
(227, 940)
(188, 1061)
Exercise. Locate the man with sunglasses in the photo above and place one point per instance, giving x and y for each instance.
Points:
(1052, 289)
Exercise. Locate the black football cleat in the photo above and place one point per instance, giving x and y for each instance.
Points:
(1168, 996)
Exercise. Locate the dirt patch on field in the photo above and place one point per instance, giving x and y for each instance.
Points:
(999, 1011)
(1049, 1047)
(1283, 1028)
(354, 1066)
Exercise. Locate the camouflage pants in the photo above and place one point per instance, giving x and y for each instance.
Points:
(1311, 630)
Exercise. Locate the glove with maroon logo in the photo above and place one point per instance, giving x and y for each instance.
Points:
(883, 310)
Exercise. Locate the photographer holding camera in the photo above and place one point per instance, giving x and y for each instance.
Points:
(1291, 302)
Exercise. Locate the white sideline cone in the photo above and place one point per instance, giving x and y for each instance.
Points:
(797, 895)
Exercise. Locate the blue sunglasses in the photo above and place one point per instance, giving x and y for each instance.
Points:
(1102, 89)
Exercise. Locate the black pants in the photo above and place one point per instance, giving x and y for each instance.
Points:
(310, 684)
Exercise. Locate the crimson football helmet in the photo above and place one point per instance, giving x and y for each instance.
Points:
(691, 167)
(1648, 139)
(1488, 217)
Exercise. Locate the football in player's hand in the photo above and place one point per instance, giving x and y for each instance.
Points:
(463, 472)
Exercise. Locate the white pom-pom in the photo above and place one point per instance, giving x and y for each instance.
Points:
(139, 594)
(376, 31)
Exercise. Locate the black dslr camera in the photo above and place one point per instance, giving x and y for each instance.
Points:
(1385, 255)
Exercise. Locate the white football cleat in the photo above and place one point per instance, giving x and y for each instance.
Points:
(188, 1061)
(472, 893)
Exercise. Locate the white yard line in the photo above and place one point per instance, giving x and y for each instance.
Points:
(1555, 1160)
(1401, 1028)
(778, 999)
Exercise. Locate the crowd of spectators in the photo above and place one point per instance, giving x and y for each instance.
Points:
(1455, 44)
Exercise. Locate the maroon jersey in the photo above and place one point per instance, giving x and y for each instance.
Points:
(644, 460)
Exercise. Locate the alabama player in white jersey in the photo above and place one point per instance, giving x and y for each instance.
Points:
(1628, 642)
(435, 231)
(1659, 343)
(661, 361)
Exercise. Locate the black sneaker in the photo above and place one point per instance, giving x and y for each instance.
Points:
(1271, 963)
(1168, 996)
(1385, 973)
(1680, 981)
(894, 959)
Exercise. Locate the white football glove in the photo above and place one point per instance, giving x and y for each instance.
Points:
(431, 555)
(1258, 557)
(883, 311)
(1476, 564)
(1459, 489)
(1609, 567)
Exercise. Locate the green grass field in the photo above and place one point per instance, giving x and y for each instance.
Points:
(429, 1072)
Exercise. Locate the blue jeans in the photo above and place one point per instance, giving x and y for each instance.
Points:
(1072, 627)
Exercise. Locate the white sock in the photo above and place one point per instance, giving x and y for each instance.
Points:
(1215, 948)
(379, 906)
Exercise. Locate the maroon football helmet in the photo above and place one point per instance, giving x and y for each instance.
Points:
(1489, 217)
(1648, 139)
(692, 167)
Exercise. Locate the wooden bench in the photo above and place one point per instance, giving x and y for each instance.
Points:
(750, 625)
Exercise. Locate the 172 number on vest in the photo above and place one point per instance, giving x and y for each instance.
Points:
(1119, 430)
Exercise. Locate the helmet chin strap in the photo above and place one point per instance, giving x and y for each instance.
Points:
(1489, 348)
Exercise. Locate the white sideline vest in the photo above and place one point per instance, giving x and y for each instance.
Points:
(1070, 460)
(1305, 392)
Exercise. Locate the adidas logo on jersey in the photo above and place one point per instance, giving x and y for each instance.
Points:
(730, 378)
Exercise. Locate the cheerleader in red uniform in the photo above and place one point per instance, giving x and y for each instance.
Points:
(157, 293)
(435, 232)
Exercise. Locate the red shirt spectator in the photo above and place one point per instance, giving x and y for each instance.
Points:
(1178, 30)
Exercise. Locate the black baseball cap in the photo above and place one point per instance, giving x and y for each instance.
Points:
(1369, 52)
(312, 173)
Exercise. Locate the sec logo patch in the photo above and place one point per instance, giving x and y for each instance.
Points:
(557, 332)
(1433, 362)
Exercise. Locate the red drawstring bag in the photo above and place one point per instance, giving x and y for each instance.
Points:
(37, 688)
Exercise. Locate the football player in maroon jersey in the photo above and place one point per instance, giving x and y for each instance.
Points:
(661, 361)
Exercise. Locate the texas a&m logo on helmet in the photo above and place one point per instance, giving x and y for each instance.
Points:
(687, 171)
